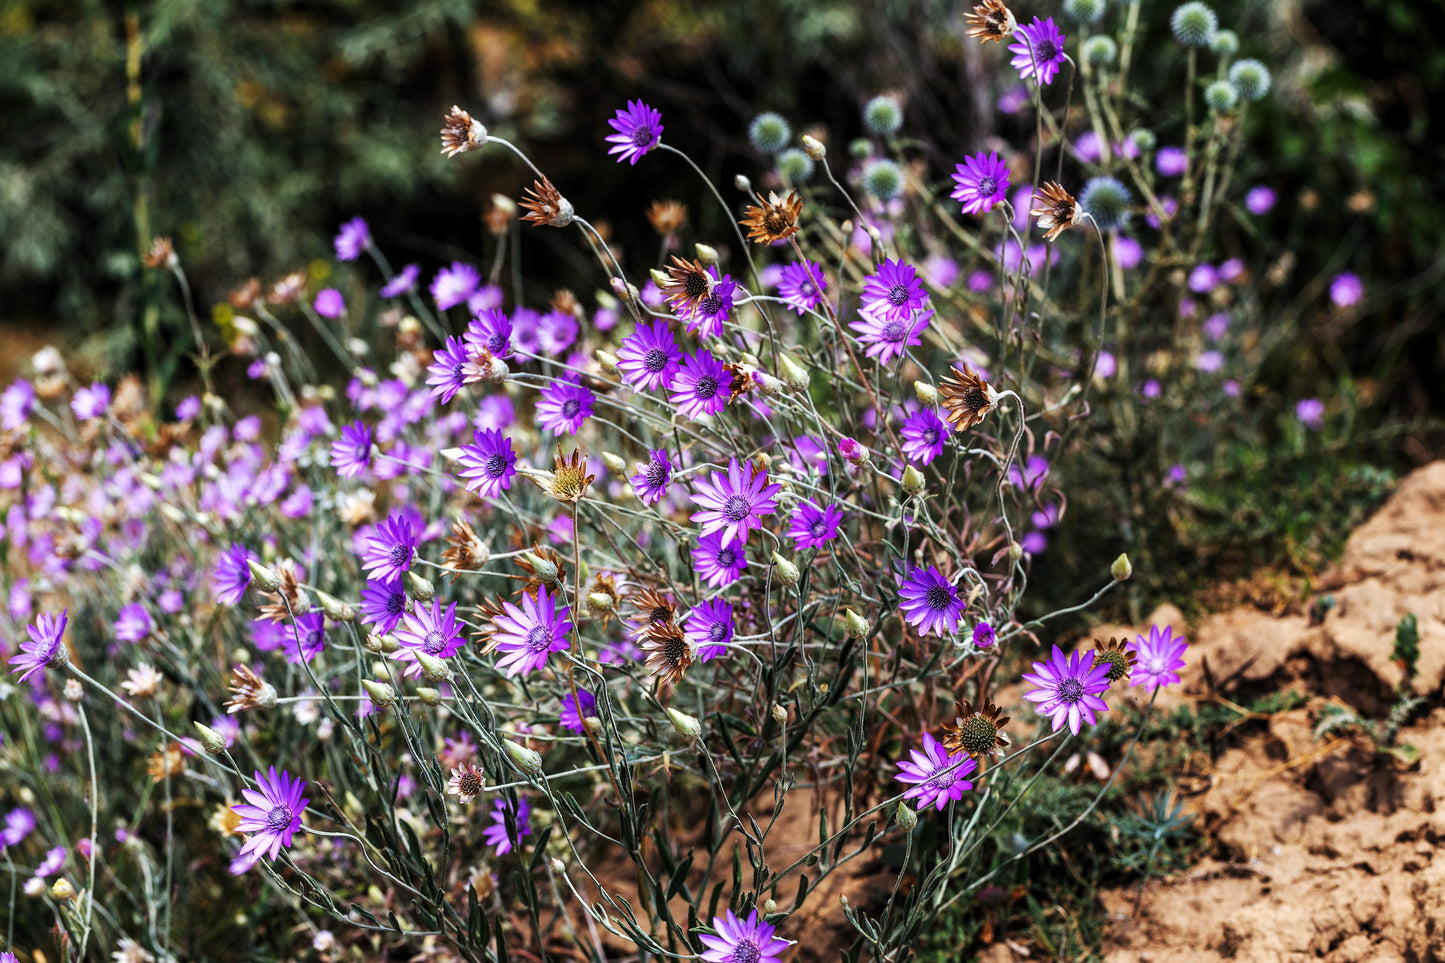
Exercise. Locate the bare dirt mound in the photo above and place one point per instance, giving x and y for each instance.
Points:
(1323, 848)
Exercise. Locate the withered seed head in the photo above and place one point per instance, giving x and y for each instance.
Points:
(966, 397)
(668, 653)
(978, 732)
(1116, 656)
(460, 133)
(465, 550)
(1057, 210)
(570, 477)
(250, 691)
(690, 284)
(546, 206)
(655, 611)
(288, 289)
(667, 216)
(161, 255)
(773, 219)
(990, 20)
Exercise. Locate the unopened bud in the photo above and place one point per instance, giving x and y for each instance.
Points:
(786, 571)
(1015, 551)
(687, 728)
(432, 668)
(912, 481)
(211, 740)
(706, 254)
(925, 392)
(266, 580)
(794, 375)
(382, 695)
(558, 867)
(907, 818)
(623, 290)
(660, 277)
(852, 452)
(428, 696)
(814, 147)
(593, 725)
(1122, 568)
(526, 759)
(62, 890)
(74, 692)
(770, 906)
(545, 570)
(614, 463)
(608, 361)
(742, 183)
(767, 384)
(780, 715)
(599, 601)
(335, 609)
(857, 624)
(373, 642)
(421, 587)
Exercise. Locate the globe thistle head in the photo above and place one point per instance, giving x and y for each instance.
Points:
(978, 732)
(883, 115)
(769, 132)
(1143, 138)
(1194, 24)
(1084, 11)
(1250, 78)
(1107, 201)
(1116, 656)
(795, 166)
(883, 179)
(860, 148)
(1225, 43)
(1221, 96)
(1101, 50)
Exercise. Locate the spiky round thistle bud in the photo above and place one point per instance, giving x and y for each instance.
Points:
(1221, 96)
(1251, 78)
(860, 148)
(1107, 202)
(1143, 138)
(1225, 43)
(1101, 51)
(1084, 11)
(883, 115)
(883, 179)
(795, 166)
(769, 132)
(1194, 24)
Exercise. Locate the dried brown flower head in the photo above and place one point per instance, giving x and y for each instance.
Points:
(289, 288)
(690, 284)
(564, 301)
(499, 214)
(487, 610)
(465, 550)
(246, 295)
(608, 586)
(166, 761)
(990, 20)
(161, 255)
(1115, 654)
(655, 611)
(569, 478)
(250, 691)
(546, 207)
(742, 379)
(288, 592)
(978, 732)
(774, 219)
(668, 653)
(667, 216)
(460, 133)
(1057, 210)
(966, 397)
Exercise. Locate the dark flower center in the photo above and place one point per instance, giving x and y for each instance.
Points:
(930, 435)
(746, 952)
(775, 222)
(661, 615)
(434, 642)
(987, 186)
(736, 508)
(459, 372)
(469, 784)
(712, 304)
(939, 598)
(717, 631)
(695, 284)
(656, 475)
(898, 295)
(726, 557)
(818, 526)
(1071, 691)
(893, 331)
(539, 637)
(278, 818)
(807, 289)
(395, 603)
(655, 360)
(497, 343)
(978, 735)
(399, 554)
(706, 387)
(1044, 51)
(642, 136)
(570, 407)
(973, 398)
(495, 465)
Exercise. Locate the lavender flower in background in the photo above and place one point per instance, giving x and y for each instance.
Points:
(748, 940)
(1311, 413)
(1038, 51)
(710, 628)
(575, 709)
(231, 575)
(305, 638)
(1069, 688)
(329, 303)
(16, 404)
(1171, 161)
(639, 130)
(44, 647)
(492, 331)
(650, 482)
(564, 406)
(935, 776)
(814, 526)
(497, 834)
(649, 357)
(702, 386)
(453, 285)
(1259, 200)
(528, 633)
(351, 453)
(929, 602)
(982, 182)
(488, 465)
(1160, 656)
(733, 505)
(718, 564)
(271, 814)
(1346, 290)
(91, 402)
(887, 340)
(1203, 279)
(352, 239)
(133, 623)
(447, 373)
(801, 290)
(402, 283)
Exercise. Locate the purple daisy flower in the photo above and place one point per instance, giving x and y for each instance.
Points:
(748, 940)
(710, 628)
(402, 282)
(329, 303)
(801, 286)
(16, 404)
(1160, 656)
(489, 464)
(983, 635)
(702, 386)
(886, 339)
(649, 357)
(389, 549)
(718, 564)
(1259, 200)
(1347, 289)
(351, 453)
(454, 284)
(490, 330)
(231, 575)
(732, 505)
(894, 293)
(44, 645)
(706, 318)
(1171, 161)
(352, 239)
(935, 776)
(529, 632)
(383, 602)
(19, 823)
(305, 640)
(1311, 413)
(1069, 688)
(575, 709)
(924, 434)
(447, 373)
(90, 402)
(650, 482)
(273, 813)
(1047, 53)
(982, 182)
(639, 130)
(564, 406)
(132, 623)
(814, 527)
(432, 631)
(497, 834)
(929, 602)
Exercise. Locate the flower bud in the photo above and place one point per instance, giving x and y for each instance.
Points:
(814, 147)
(614, 464)
(74, 692)
(925, 392)
(211, 740)
(421, 587)
(857, 625)
(786, 571)
(62, 890)
(912, 480)
(1015, 551)
(382, 695)
(599, 601)
(707, 255)
(432, 668)
(780, 715)
(907, 818)
(558, 867)
(335, 609)
(545, 570)
(687, 728)
(770, 906)
(766, 383)
(373, 642)
(742, 183)
(852, 452)
(660, 278)
(265, 579)
(623, 290)
(525, 759)
(794, 375)
(608, 361)
(428, 696)
(1122, 568)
